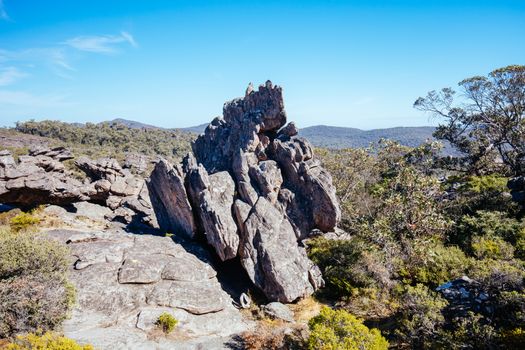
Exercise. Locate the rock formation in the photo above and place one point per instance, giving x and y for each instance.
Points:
(41, 178)
(255, 191)
(516, 186)
(124, 282)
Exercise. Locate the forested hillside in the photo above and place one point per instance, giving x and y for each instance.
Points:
(340, 137)
(112, 139)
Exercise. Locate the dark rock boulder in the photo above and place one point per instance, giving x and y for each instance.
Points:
(465, 294)
(516, 186)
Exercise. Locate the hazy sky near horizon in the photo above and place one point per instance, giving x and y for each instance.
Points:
(174, 63)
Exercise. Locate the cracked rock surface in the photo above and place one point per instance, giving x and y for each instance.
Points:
(124, 282)
(255, 191)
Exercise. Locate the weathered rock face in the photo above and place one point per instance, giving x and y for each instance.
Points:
(212, 197)
(41, 178)
(124, 282)
(256, 191)
(169, 198)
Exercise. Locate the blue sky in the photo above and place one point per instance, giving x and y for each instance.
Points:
(174, 63)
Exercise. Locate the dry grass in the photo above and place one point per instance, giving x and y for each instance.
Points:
(305, 309)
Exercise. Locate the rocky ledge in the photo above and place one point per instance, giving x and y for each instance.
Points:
(125, 281)
(40, 177)
(255, 191)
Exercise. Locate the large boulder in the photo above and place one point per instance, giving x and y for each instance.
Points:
(169, 199)
(103, 168)
(212, 197)
(256, 191)
(271, 256)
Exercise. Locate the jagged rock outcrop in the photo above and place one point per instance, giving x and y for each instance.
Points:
(212, 197)
(41, 178)
(256, 191)
(169, 198)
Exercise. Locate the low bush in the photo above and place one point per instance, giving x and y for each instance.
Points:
(25, 254)
(487, 247)
(348, 265)
(471, 331)
(34, 291)
(488, 224)
(513, 339)
(46, 341)
(420, 317)
(5, 217)
(23, 221)
(338, 329)
(433, 264)
(167, 322)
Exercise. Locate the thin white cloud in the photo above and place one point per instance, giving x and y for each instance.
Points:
(3, 13)
(57, 59)
(53, 58)
(106, 44)
(129, 38)
(9, 75)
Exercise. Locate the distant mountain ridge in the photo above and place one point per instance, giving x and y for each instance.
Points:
(138, 125)
(331, 136)
(341, 137)
(132, 124)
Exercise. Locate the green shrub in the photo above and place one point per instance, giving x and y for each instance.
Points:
(46, 341)
(34, 291)
(519, 244)
(499, 275)
(24, 254)
(167, 322)
(486, 183)
(489, 224)
(420, 316)
(513, 339)
(470, 331)
(487, 247)
(509, 309)
(5, 217)
(23, 221)
(338, 329)
(348, 265)
(433, 264)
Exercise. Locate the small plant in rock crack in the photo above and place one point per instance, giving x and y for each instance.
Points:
(167, 322)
